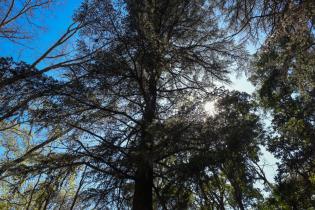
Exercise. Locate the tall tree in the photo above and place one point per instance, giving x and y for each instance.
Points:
(283, 71)
(151, 61)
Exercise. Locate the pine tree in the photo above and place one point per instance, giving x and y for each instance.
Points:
(283, 71)
(126, 128)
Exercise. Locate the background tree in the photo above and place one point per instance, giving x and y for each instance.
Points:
(283, 71)
(264, 18)
(53, 189)
(219, 169)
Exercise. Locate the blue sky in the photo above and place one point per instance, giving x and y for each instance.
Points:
(55, 21)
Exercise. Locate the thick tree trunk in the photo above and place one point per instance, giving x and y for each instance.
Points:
(142, 199)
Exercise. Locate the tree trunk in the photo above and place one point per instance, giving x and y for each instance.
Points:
(239, 199)
(142, 199)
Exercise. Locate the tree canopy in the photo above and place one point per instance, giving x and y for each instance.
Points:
(122, 124)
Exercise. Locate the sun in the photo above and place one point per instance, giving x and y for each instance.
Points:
(209, 107)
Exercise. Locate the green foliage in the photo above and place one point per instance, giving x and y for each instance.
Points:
(284, 73)
(27, 183)
(219, 170)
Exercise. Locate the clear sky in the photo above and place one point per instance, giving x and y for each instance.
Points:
(55, 22)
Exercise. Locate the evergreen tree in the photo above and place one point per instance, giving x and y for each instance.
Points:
(283, 71)
(133, 115)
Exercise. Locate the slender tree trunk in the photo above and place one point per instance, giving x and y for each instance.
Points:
(239, 199)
